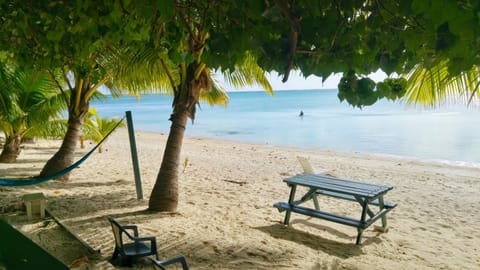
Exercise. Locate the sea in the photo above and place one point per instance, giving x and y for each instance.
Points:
(316, 119)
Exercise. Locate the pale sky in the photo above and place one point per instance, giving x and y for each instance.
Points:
(297, 82)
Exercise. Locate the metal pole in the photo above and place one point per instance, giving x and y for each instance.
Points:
(133, 150)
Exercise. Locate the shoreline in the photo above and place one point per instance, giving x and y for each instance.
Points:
(221, 224)
(455, 163)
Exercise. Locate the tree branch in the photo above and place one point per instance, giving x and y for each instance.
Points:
(294, 33)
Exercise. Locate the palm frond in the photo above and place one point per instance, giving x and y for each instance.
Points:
(435, 86)
(217, 95)
(138, 72)
(97, 127)
(55, 128)
(247, 73)
(30, 100)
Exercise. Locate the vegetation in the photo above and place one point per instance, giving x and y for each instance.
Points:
(97, 127)
(61, 38)
(27, 102)
(435, 86)
(183, 40)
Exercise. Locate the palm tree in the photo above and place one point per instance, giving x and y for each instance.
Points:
(96, 127)
(435, 85)
(27, 102)
(81, 86)
(189, 84)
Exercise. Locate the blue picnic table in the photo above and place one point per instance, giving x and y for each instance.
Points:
(365, 194)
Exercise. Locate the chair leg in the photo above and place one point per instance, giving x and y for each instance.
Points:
(126, 261)
(115, 254)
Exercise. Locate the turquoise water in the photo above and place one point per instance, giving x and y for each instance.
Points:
(446, 134)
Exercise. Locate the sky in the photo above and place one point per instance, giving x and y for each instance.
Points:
(296, 81)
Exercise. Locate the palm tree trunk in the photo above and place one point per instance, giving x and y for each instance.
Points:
(77, 112)
(164, 196)
(65, 155)
(11, 149)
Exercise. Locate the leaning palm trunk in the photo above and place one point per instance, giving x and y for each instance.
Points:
(11, 149)
(77, 111)
(164, 195)
(65, 155)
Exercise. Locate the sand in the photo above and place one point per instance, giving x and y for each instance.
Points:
(226, 218)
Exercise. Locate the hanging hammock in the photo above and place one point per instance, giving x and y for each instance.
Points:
(38, 180)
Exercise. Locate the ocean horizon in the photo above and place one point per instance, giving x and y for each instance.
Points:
(447, 134)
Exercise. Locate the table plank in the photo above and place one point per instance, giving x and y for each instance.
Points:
(344, 186)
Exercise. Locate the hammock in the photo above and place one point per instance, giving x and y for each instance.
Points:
(38, 180)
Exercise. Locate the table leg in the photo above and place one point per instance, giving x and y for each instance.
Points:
(311, 194)
(291, 199)
(362, 220)
(361, 201)
(359, 236)
(315, 202)
(384, 217)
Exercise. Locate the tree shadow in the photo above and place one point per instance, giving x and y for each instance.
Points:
(124, 199)
(130, 217)
(316, 242)
(321, 227)
(57, 184)
(19, 173)
(31, 160)
(213, 254)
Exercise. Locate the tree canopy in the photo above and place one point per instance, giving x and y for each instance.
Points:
(317, 37)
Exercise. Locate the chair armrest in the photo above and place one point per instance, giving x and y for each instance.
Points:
(134, 228)
(152, 239)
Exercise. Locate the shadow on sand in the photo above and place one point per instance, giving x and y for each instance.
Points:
(316, 242)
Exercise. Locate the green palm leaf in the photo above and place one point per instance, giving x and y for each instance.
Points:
(28, 101)
(435, 86)
(247, 73)
(96, 127)
(138, 72)
(150, 71)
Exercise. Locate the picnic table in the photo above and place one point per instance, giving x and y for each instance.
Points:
(365, 194)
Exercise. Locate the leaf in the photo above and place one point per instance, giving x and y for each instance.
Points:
(445, 39)
(54, 35)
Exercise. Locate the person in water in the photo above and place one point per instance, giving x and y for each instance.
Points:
(301, 114)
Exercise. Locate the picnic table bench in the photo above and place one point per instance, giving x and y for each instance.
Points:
(365, 194)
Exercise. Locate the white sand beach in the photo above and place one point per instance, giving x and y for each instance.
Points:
(226, 218)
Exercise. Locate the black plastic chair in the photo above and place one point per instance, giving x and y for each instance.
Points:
(163, 264)
(133, 246)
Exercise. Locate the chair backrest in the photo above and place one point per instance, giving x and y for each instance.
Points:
(117, 232)
(307, 168)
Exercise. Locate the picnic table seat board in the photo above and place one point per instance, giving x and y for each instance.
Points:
(366, 194)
